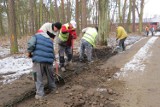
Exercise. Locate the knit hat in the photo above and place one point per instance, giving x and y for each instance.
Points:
(74, 24)
(58, 25)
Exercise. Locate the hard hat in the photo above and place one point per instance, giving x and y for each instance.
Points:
(74, 24)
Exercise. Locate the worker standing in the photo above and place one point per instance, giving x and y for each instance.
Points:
(65, 41)
(88, 41)
(152, 30)
(121, 35)
(147, 30)
(41, 50)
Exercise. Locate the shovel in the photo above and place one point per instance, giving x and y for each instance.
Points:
(59, 78)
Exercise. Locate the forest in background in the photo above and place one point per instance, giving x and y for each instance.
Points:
(20, 18)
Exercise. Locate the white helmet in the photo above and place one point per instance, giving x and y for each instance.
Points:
(74, 24)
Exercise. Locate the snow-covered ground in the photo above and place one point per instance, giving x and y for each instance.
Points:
(136, 64)
(11, 68)
(4, 52)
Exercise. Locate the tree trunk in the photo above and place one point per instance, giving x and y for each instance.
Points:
(68, 11)
(12, 27)
(97, 13)
(124, 12)
(63, 13)
(119, 11)
(41, 13)
(84, 16)
(31, 2)
(36, 19)
(141, 16)
(1, 24)
(57, 11)
(129, 17)
(102, 32)
(77, 16)
(133, 14)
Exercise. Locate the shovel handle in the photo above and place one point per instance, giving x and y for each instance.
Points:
(56, 67)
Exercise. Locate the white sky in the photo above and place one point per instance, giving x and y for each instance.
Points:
(151, 8)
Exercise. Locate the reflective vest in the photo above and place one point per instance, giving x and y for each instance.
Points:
(64, 37)
(90, 36)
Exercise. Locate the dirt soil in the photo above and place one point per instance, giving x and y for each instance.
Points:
(94, 85)
(87, 85)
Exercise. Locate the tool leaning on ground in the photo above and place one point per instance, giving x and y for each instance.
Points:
(59, 78)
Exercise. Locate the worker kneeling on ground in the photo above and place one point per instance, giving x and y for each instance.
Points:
(88, 41)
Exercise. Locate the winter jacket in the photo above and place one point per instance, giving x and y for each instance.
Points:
(48, 28)
(147, 29)
(41, 47)
(121, 33)
(66, 35)
(90, 35)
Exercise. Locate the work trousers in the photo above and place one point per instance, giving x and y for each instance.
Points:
(65, 50)
(122, 45)
(39, 70)
(85, 48)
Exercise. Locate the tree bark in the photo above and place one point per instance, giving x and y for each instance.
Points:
(31, 2)
(77, 16)
(84, 16)
(124, 12)
(133, 14)
(129, 16)
(12, 27)
(102, 32)
(63, 12)
(141, 16)
(57, 11)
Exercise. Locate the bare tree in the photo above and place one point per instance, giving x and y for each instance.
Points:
(84, 16)
(77, 16)
(12, 26)
(2, 32)
(31, 2)
(140, 7)
(102, 33)
(57, 11)
(68, 10)
(63, 12)
(129, 16)
(133, 15)
(124, 11)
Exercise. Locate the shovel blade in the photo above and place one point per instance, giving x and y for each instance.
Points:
(59, 80)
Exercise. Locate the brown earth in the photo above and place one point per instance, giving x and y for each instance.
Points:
(93, 85)
(86, 85)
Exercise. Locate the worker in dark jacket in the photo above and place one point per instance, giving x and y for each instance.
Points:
(65, 42)
(41, 50)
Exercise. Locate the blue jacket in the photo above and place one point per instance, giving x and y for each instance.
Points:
(41, 47)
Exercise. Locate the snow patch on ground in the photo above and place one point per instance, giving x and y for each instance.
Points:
(4, 52)
(12, 68)
(137, 62)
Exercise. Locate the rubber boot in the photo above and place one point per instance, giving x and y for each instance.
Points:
(69, 64)
(62, 63)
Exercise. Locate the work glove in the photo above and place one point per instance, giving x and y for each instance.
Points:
(29, 55)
